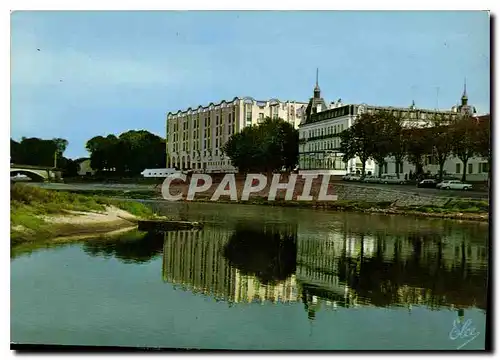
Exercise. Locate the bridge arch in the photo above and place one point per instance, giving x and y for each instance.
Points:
(36, 175)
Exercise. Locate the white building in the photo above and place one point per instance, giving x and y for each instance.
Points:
(477, 167)
(319, 135)
(84, 168)
(195, 136)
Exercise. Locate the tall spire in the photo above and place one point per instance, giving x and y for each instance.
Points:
(464, 95)
(317, 91)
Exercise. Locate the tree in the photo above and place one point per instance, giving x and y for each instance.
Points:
(97, 149)
(128, 154)
(383, 142)
(61, 145)
(360, 139)
(34, 151)
(440, 140)
(398, 143)
(267, 147)
(417, 145)
(441, 145)
(15, 151)
(464, 133)
(483, 135)
(69, 167)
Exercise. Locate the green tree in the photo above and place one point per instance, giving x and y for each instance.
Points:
(34, 151)
(464, 134)
(360, 139)
(383, 142)
(398, 143)
(267, 147)
(69, 167)
(128, 154)
(483, 135)
(440, 140)
(418, 144)
(15, 152)
(98, 156)
(61, 145)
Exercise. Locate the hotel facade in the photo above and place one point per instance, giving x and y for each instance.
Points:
(196, 136)
(319, 135)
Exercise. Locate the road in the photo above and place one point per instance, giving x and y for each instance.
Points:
(427, 191)
(148, 187)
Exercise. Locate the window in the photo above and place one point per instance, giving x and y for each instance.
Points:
(470, 169)
(457, 169)
(261, 116)
(484, 167)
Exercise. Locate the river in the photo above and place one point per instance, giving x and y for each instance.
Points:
(261, 278)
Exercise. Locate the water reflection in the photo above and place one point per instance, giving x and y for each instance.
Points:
(132, 248)
(329, 269)
(268, 253)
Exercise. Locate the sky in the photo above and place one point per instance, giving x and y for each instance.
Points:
(76, 75)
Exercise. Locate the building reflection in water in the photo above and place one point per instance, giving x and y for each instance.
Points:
(327, 270)
(209, 262)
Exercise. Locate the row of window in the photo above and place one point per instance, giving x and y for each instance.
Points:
(330, 164)
(481, 168)
(323, 145)
(207, 122)
(413, 114)
(330, 130)
(385, 168)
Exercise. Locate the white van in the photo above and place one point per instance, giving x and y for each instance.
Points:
(158, 173)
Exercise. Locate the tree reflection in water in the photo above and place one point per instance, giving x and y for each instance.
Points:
(131, 248)
(269, 253)
(421, 273)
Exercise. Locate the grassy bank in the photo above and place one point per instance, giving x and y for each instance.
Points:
(31, 206)
(455, 208)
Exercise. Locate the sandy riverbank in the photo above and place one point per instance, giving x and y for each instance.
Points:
(40, 214)
(81, 224)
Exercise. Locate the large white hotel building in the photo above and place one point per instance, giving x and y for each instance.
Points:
(319, 135)
(195, 136)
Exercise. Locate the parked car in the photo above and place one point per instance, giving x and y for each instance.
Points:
(351, 177)
(370, 179)
(427, 183)
(453, 185)
(391, 179)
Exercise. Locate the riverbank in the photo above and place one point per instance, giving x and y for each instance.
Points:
(38, 214)
(473, 210)
(452, 208)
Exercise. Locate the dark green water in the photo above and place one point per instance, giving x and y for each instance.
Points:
(261, 278)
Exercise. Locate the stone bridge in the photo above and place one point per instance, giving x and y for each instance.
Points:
(36, 173)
